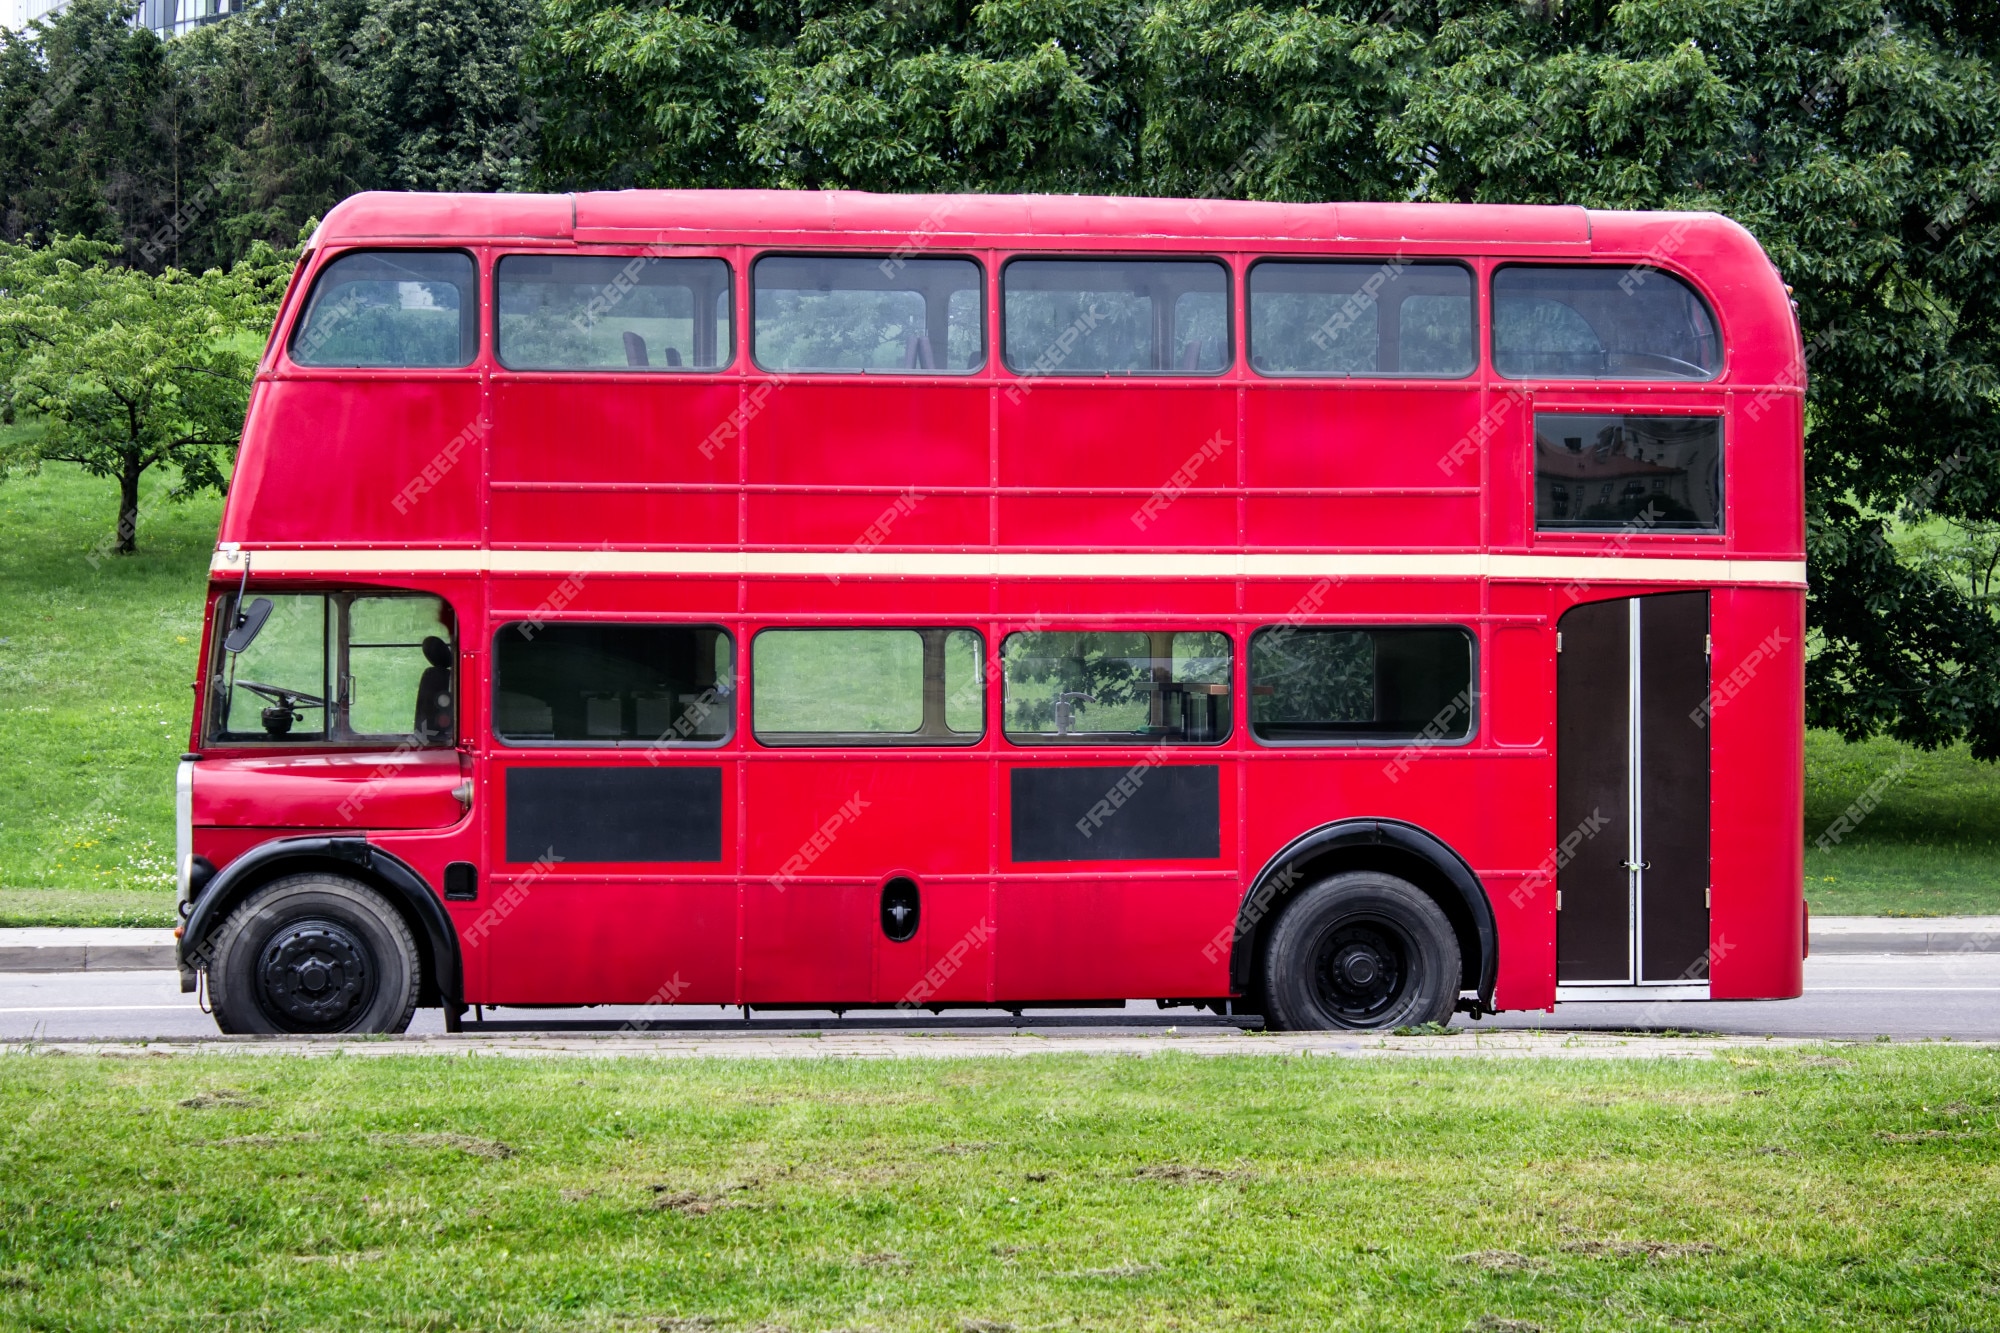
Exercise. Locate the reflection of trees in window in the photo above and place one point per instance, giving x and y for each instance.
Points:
(1361, 685)
(1601, 322)
(1164, 684)
(612, 312)
(1081, 317)
(1436, 335)
(1545, 336)
(1326, 675)
(390, 308)
(1295, 332)
(839, 330)
(1360, 318)
(835, 314)
(368, 326)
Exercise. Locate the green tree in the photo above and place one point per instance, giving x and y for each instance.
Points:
(185, 152)
(130, 371)
(1858, 139)
(87, 145)
(438, 83)
(270, 135)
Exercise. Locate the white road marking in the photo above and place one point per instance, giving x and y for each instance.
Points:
(95, 1008)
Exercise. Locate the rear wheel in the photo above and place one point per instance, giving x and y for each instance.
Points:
(1360, 950)
(314, 953)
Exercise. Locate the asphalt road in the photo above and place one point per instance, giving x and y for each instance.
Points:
(1848, 996)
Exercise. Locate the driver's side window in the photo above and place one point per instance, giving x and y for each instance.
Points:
(346, 668)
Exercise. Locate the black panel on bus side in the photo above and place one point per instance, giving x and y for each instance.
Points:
(1127, 813)
(580, 815)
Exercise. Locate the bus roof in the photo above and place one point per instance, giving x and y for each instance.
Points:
(922, 220)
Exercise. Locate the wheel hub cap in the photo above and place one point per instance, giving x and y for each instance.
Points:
(314, 975)
(1359, 966)
(1363, 970)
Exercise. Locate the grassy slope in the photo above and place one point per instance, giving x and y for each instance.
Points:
(1814, 1190)
(1932, 845)
(96, 655)
(95, 664)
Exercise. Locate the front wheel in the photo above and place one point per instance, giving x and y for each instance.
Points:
(1360, 950)
(314, 953)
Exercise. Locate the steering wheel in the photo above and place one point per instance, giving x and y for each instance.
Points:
(283, 698)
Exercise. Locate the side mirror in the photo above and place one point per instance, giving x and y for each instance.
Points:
(249, 622)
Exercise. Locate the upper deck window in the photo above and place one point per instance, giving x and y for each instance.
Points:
(1116, 316)
(1363, 317)
(859, 314)
(413, 308)
(612, 312)
(1601, 323)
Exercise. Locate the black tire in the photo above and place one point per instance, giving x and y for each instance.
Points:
(314, 953)
(1361, 950)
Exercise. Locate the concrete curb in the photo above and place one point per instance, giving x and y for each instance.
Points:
(1918, 935)
(85, 949)
(117, 949)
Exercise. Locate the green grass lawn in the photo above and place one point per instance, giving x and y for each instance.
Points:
(96, 654)
(1932, 845)
(1850, 1188)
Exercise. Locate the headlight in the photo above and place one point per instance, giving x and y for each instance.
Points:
(183, 833)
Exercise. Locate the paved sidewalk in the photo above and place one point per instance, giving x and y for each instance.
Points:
(117, 949)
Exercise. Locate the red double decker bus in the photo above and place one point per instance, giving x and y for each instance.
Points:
(1345, 613)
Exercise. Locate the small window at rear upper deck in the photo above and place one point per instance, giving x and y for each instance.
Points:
(1367, 317)
(391, 308)
(1116, 316)
(1601, 323)
(853, 314)
(612, 312)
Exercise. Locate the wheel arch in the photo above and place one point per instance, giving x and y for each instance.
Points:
(1392, 847)
(354, 858)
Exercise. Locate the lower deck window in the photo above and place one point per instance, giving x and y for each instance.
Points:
(867, 687)
(1342, 686)
(1130, 686)
(590, 684)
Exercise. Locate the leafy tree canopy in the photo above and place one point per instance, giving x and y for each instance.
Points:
(1859, 140)
(129, 370)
